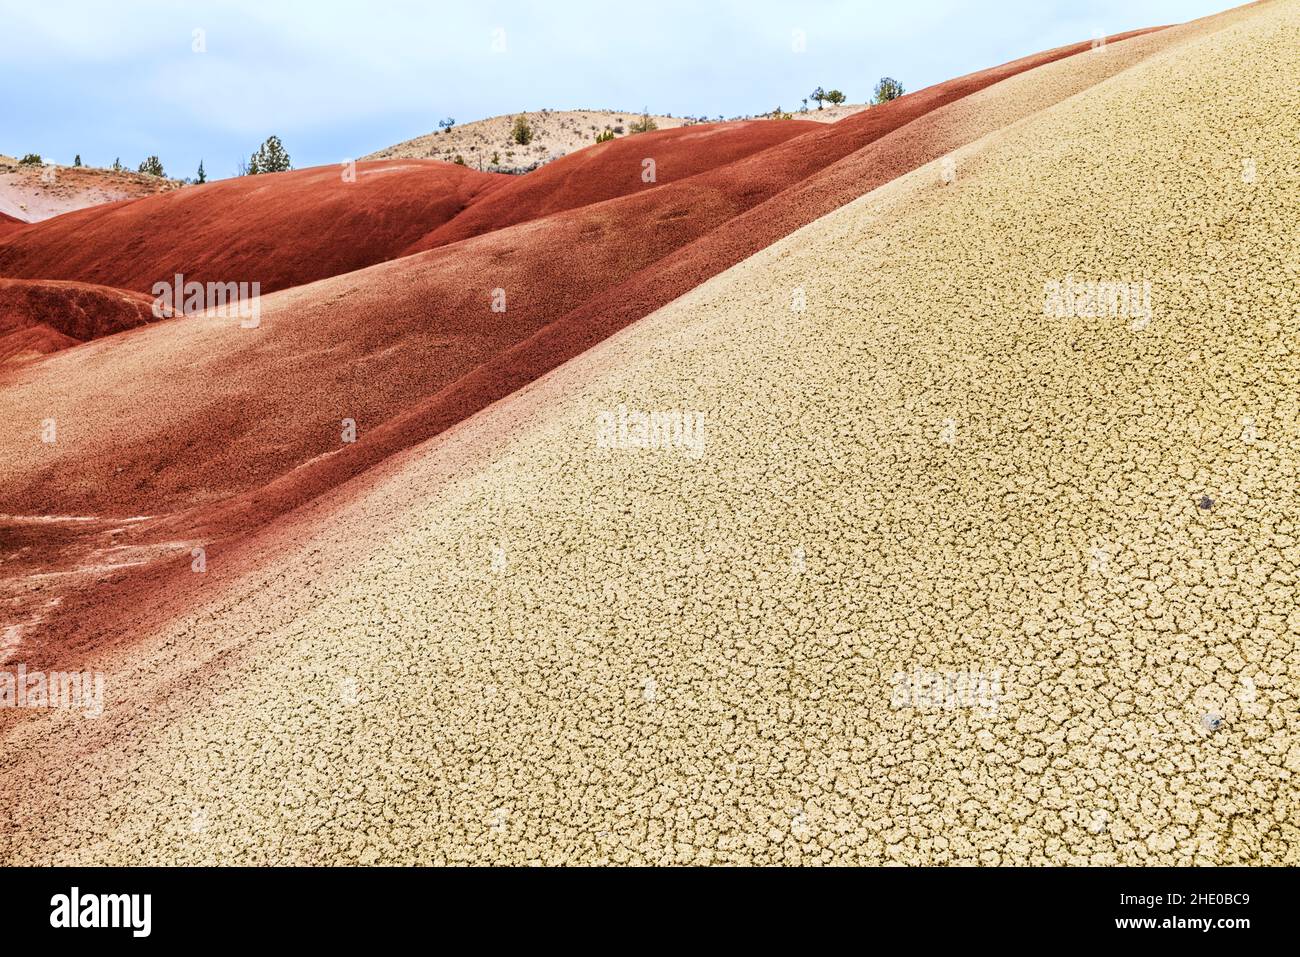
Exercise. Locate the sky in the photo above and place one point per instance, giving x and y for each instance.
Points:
(336, 80)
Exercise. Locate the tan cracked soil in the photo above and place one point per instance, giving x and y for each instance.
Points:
(517, 646)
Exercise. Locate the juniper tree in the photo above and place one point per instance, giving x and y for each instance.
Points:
(521, 132)
(269, 158)
(888, 89)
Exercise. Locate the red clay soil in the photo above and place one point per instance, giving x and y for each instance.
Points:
(246, 407)
(279, 229)
(41, 316)
(217, 430)
(288, 229)
(8, 224)
(624, 259)
(615, 168)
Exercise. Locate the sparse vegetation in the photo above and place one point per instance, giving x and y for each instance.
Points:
(269, 158)
(521, 132)
(780, 114)
(818, 96)
(459, 160)
(834, 97)
(31, 159)
(553, 134)
(643, 125)
(152, 166)
(496, 158)
(202, 176)
(447, 124)
(117, 165)
(76, 160)
(887, 89)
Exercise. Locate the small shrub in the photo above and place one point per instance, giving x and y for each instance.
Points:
(643, 125)
(152, 166)
(521, 132)
(31, 159)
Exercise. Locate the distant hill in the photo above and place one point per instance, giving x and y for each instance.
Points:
(556, 133)
(33, 193)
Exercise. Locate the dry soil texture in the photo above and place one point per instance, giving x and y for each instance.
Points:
(951, 568)
(613, 169)
(42, 316)
(208, 431)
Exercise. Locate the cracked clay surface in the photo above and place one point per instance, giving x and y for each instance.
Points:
(937, 584)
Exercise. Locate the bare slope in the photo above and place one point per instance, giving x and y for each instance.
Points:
(41, 316)
(279, 229)
(524, 647)
(212, 430)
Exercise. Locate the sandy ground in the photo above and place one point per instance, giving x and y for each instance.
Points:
(32, 193)
(525, 647)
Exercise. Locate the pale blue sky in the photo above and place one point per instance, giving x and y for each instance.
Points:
(337, 80)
